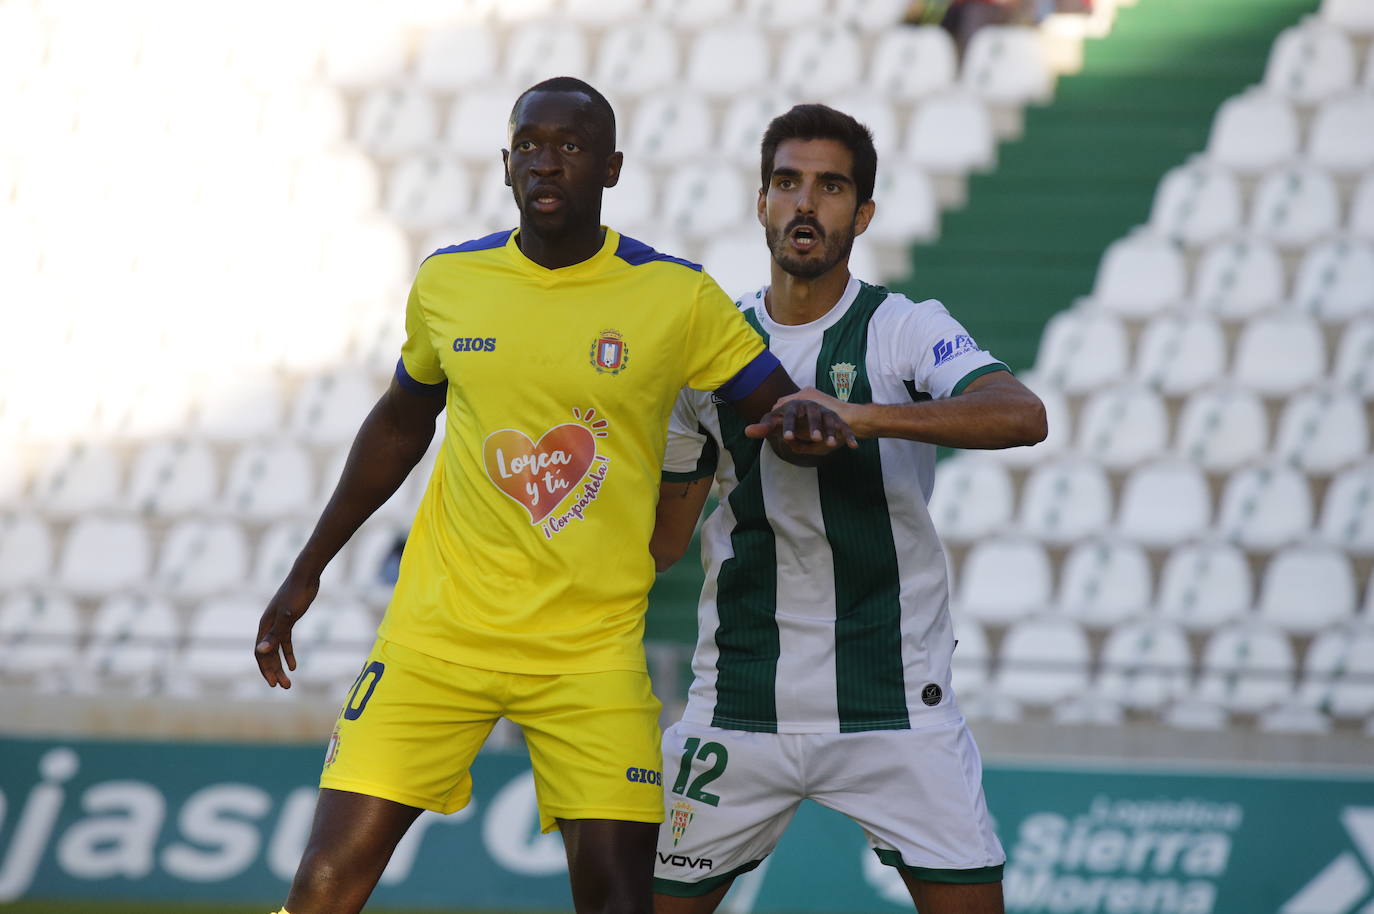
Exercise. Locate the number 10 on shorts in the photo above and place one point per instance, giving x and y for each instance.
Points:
(695, 750)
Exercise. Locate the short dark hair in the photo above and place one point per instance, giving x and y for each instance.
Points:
(571, 84)
(821, 122)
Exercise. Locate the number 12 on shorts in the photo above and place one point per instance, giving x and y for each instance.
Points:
(694, 749)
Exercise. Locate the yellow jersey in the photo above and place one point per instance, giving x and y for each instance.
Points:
(529, 552)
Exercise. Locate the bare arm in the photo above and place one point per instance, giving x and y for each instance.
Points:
(800, 429)
(391, 440)
(679, 506)
(994, 411)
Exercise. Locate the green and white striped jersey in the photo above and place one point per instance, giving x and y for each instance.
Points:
(826, 603)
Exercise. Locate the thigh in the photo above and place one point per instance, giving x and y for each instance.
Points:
(954, 898)
(593, 740)
(918, 795)
(409, 728)
(610, 864)
(728, 797)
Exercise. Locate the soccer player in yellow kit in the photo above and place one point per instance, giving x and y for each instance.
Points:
(558, 350)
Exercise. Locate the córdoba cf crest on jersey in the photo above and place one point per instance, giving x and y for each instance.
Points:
(842, 376)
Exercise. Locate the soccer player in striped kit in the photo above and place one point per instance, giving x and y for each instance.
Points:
(822, 668)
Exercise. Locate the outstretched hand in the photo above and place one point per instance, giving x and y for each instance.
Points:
(289, 603)
(804, 424)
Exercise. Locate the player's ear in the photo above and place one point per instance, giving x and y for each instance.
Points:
(613, 166)
(505, 165)
(863, 216)
(762, 208)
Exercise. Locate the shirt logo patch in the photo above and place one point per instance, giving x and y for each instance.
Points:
(931, 694)
(949, 349)
(842, 375)
(609, 353)
(679, 818)
(542, 475)
(474, 344)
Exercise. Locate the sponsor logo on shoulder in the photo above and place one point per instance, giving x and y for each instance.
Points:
(948, 349)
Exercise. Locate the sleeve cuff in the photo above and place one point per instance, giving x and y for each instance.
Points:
(749, 377)
(975, 374)
(417, 387)
(689, 476)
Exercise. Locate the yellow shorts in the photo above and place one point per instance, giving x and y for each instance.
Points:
(412, 724)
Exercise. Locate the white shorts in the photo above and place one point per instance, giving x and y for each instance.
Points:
(728, 796)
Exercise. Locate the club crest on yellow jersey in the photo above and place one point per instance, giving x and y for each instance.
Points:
(609, 353)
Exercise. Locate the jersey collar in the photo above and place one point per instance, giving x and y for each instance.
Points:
(819, 325)
(592, 264)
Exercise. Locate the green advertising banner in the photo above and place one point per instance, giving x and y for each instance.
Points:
(156, 821)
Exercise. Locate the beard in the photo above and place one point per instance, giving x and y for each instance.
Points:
(834, 248)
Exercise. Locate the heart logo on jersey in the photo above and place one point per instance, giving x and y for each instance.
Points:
(539, 475)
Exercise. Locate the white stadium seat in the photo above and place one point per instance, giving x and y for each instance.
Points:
(308, 116)
(1104, 581)
(267, 481)
(1204, 585)
(1196, 203)
(374, 563)
(972, 498)
(728, 59)
(733, 260)
(969, 665)
(340, 183)
(392, 122)
(639, 56)
(1352, 16)
(330, 407)
(1238, 278)
(173, 476)
(1265, 507)
(1307, 588)
(672, 127)
(819, 55)
(912, 62)
(1295, 205)
(477, 122)
(1164, 503)
(1058, 418)
(1178, 354)
(1347, 519)
(1065, 500)
(277, 550)
(951, 135)
(1043, 661)
(779, 14)
(1139, 275)
(83, 478)
(879, 16)
(1342, 134)
(428, 191)
(1145, 664)
(539, 50)
(40, 633)
(200, 558)
(746, 118)
(332, 640)
(1354, 369)
(1322, 431)
(1338, 675)
(455, 58)
(1310, 62)
(907, 209)
(102, 555)
(218, 655)
(1336, 279)
(132, 637)
(26, 551)
(602, 12)
(1247, 668)
(1361, 222)
(1278, 355)
(697, 13)
(355, 58)
(704, 199)
(1221, 428)
(1122, 425)
(1004, 579)
(880, 117)
(1007, 65)
(1253, 132)
(633, 202)
(1080, 351)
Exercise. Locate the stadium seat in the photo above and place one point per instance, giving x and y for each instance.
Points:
(1338, 675)
(1196, 203)
(671, 128)
(1204, 585)
(132, 637)
(214, 659)
(540, 50)
(1247, 668)
(83, 478)
(1091, 708)
(267, 481)
(1310, 62)
(1352, 16)
(277, 549)
(1057, 417)
(1265, 507)
(1146, 664)
(880, 16)
(1065, 500)
(728, 59)
(26, 551)
(456, 58)
(972, 498)
(332, 641)
(307, 116)
(1347, 519)
(778, 14)
(969, 665)
(1322, 431)
(745, 120)
(733, 260)
(1139, 275)
(375, 560)
(40, 633)
(907, 207)
(241, 406)
(518, 12)
(102, 555)
(1295, 205)
(601, 12)
(200, 558)
(1293, 717)
(1193, 714)
(912, 63)
(1354, 369)
(633, 202)
(1178, 354)
(330, 407)
(1340, 139)
(173, 476)
(1335, 280)
(477, 122)
(1007, 65)
(1238, 278)
(1280, 354)
(704, 199)
(340, 183)
(14, 469)
(695, 14)
(1043, 660)
(1361, 221)
(393, 122)
(638, 56)
(1104, 581)
(1307, 588)
(427, 191)
(1254, 132)
(880, 117)
(357, 59)
(819, 55)
(1081, 351)
(951, 135)
(1122, 425)
(1222, 428)
(1164, 503)
(1004, 579)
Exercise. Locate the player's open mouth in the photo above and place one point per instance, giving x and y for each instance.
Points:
(804, 238)
(546, 200)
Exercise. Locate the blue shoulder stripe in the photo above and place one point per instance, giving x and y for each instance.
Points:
(636, 253)
(494, 240)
